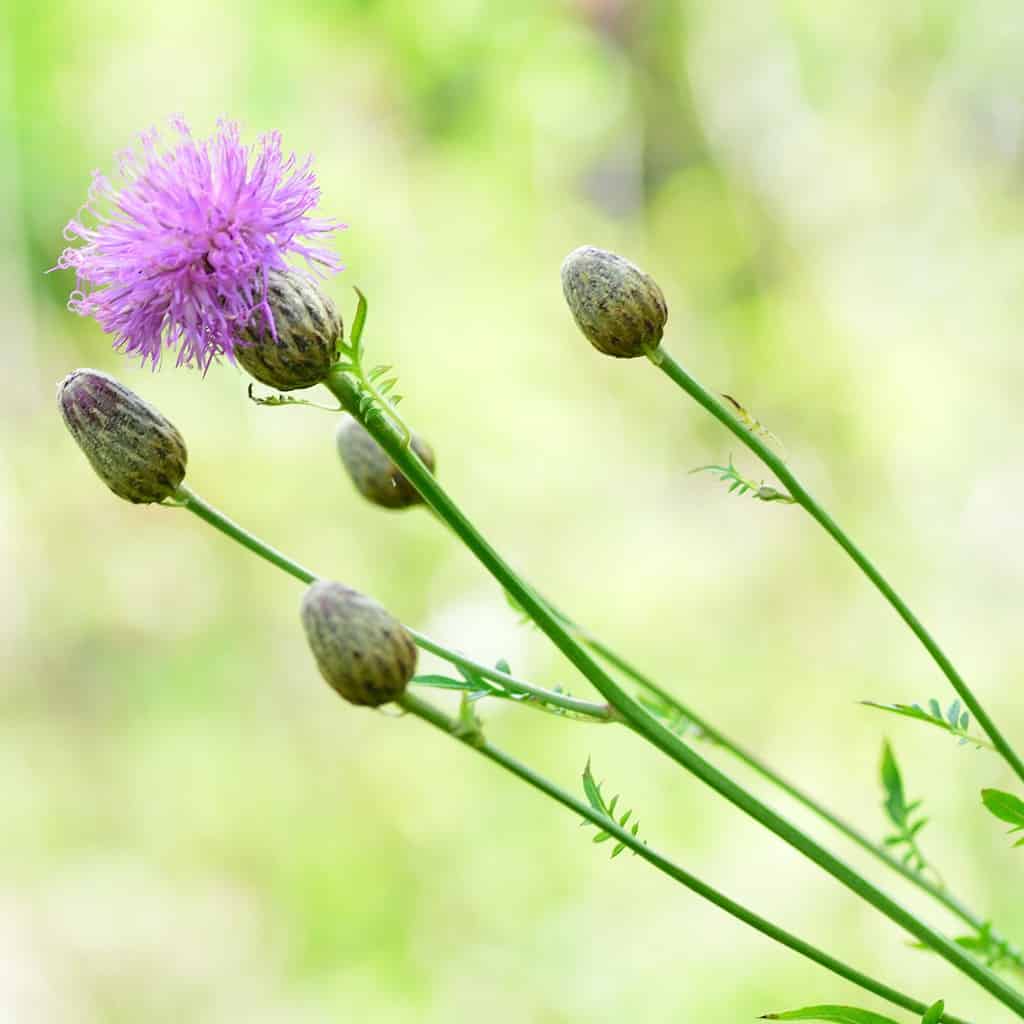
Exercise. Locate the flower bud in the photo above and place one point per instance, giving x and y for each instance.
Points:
(362, 650)
(303, 344)
(618, 307)
(134, 449)
(376, 477)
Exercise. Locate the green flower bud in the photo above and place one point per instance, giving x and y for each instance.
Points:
(304, 343)
(376, 477)
(362, 650)
(134, 449)
(618, 307)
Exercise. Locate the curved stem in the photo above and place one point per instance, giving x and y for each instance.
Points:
(346, 390)
(599, 712)
(431, 715)
(715, 736)
(706, 400)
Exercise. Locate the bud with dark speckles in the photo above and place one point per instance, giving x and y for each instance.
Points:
(304, 343)
(376, 477)
(134, 449)
(618, 307)
(362, 650)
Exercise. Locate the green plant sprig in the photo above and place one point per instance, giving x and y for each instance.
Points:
(378, 398)
(467, 730)
(475, 686)
(685, 722)
(901, 815)
(739, 484)
(346, 389)
(592, 791)
(675, 372)
(954, 721)
(603, 821)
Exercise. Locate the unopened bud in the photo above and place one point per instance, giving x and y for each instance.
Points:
(134, 449)
(362, 650)
(303, 345)
(376, 477)
(620, 309)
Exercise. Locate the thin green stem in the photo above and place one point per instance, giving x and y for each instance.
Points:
(346, 390)
(431, 715)
(717, 737)
(599, 712)
(188, 499)
(706, 400)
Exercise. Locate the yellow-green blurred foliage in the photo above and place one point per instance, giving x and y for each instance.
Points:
(832, 197)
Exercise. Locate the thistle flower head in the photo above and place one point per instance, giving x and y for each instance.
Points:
(134, 449)
(620, 309)
(178, 254)
(362, 650)
(376, 477)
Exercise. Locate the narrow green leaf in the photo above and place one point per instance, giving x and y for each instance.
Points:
(832, 1014)
(356, 332)
(892, 781)
(591, 790)
(934, 1013)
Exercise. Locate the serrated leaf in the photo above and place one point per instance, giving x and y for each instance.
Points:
(934, 1013)
(832, 1015)
(918, 714)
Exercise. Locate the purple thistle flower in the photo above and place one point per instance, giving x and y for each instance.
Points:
(179, 255)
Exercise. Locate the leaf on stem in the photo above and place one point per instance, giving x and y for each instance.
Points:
(739, 484)
(902, 814)
(592, 791)
(832, 1015)
(1006, 807)
(954, 720)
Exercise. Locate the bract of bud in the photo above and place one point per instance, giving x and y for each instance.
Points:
(134, 449)
(303, 345)
(362, 650)
(620, 309)
(376, 477)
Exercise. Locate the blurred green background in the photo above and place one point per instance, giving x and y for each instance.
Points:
(832, 197)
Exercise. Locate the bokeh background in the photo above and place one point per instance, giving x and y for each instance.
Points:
(832, 197)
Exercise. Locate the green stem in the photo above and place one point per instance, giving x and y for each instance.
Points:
(715, 736)
(188, 499)
(441, 721)
(599, 712)
(706, 400)
(346, 390)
